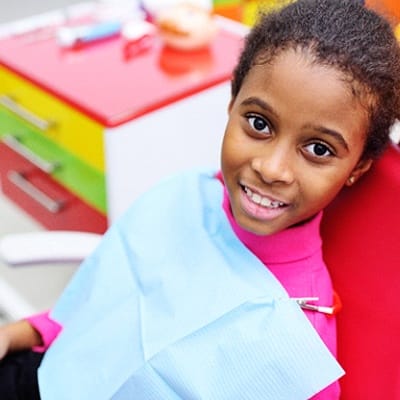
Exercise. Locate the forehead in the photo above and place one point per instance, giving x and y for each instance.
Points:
(299, 68)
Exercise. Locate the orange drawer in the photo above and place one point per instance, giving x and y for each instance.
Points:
(45, 199)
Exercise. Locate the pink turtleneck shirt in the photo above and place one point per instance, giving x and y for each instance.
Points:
(294, 256)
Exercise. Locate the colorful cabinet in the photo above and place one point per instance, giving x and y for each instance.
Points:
(85, 131)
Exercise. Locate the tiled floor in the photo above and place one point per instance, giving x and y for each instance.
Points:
(16, 9)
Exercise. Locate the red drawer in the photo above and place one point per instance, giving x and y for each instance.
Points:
(45, 199)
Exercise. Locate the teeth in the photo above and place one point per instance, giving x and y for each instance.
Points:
(256, 198)
(264, 201)
(267, 203)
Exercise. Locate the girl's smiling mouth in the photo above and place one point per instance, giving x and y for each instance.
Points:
(262, 200)
(260, 207)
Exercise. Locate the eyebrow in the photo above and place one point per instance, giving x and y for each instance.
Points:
(322, 129)
(258, 102)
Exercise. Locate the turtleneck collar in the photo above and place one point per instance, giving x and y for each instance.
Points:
(289, 245)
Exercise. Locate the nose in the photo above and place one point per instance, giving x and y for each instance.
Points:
(274, 164)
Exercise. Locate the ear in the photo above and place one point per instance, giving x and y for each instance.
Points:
(359, 170)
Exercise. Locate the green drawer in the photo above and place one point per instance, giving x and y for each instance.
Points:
(78, 177)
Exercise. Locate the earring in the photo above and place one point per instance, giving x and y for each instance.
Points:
(351, 180)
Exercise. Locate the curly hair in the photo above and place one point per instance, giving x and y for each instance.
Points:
(342, 34)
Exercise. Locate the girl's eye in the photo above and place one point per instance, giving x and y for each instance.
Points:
(258, 124)
(319, 150)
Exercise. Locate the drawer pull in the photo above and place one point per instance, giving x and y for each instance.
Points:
(14, 144)
(19, 180)
(14, 107)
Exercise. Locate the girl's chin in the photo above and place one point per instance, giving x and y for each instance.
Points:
(259, 228)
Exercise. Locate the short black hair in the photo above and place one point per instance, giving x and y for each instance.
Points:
(339, 33)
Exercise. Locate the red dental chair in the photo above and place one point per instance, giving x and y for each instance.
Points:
(361, 234)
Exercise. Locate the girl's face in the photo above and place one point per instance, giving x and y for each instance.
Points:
(294, 137)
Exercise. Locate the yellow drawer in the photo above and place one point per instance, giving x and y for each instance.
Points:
(55, 119)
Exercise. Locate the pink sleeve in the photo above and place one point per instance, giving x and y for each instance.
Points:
(47, 328)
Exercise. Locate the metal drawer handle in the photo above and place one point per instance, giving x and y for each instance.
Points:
(13, 143)
(19, 180)
(29, 116)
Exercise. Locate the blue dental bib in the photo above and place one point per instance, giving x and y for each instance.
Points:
(172, 305)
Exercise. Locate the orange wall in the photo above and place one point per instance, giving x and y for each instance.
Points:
(391, 6)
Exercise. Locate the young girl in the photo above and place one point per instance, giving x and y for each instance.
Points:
(213, 285)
